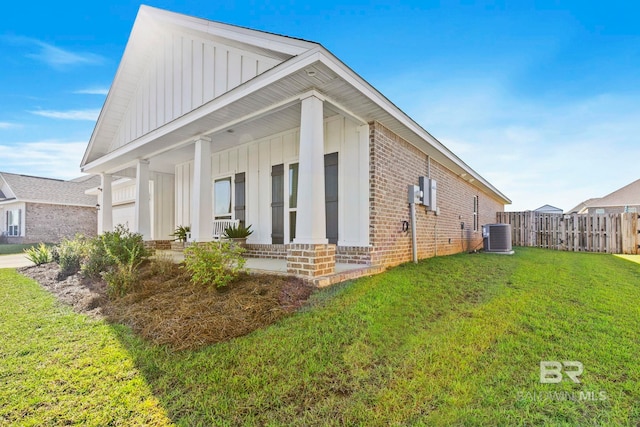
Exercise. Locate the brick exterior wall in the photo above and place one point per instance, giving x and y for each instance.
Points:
(52, 223)
(353, 255)
(394, 164)
(266, 251)
(311, 260)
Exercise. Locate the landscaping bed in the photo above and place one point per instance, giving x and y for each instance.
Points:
(164, 306)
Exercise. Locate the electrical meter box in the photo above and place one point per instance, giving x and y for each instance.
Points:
(414, 195)
(429, 190)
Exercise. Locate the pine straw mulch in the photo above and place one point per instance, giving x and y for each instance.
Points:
(166, 308)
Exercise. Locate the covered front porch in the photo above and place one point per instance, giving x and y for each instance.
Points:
(297, 173)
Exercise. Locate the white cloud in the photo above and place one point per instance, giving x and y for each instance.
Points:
(54, 56)
(8, 125)
(536, 151)
(60, 58)
(51, 158)
(90, 114)
(93, 91)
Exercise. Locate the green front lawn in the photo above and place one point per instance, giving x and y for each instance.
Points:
(10, 249)
(451, 341)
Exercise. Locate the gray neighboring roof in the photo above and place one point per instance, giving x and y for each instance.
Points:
(48, 190)
(629, 195)
(548, 208)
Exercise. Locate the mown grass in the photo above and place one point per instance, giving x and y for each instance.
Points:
(61, 368)
(451, 341)
(10, 249)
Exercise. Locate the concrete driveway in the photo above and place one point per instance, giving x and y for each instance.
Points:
(14, 261)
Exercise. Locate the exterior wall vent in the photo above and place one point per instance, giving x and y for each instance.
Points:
(497, 238)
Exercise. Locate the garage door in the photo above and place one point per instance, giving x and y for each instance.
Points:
(124, 215)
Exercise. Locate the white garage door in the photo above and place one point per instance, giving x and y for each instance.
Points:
(125, 215)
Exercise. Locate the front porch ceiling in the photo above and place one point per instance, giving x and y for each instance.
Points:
(243, 132)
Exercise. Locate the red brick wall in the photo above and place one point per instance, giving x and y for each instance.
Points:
(394, 164)
(52, 223)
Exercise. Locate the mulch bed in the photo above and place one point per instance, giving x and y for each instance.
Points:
(166, 308)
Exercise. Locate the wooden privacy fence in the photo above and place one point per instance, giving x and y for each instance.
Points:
(610, 233)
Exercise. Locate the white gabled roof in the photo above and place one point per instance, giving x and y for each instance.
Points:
(148, 26)
(309, 67)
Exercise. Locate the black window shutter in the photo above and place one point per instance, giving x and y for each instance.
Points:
(240, 198)
(277, 204)
(331, 196)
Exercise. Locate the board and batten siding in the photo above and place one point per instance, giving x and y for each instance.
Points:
(256, 159)
(185, 73)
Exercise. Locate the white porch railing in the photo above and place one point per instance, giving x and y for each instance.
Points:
(219, 225)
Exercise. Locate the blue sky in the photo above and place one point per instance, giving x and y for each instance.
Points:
(539, 97)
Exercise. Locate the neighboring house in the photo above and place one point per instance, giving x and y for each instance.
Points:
(549, 209)
(35, 209)
(625, 199)
(224, 122)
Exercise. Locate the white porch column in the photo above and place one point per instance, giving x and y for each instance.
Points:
(105, 217)
(311, 225)
(202, 196)
(143, 208)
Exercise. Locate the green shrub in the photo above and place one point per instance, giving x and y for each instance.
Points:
(112, 248)
(123, 274)
(71, 254)
(238, 232)
(214, 263)
(40, 254)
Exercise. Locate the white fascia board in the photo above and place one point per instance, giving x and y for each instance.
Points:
(288, 67)
(42, 202)
(261, 39)
(370, 92)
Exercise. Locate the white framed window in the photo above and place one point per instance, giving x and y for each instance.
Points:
(222, 198)
(13, 223)
(293, 199)
(475, 212)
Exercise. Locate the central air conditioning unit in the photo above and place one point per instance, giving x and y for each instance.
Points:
(497, 238)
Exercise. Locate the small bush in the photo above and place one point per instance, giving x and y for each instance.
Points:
(214, 263)
(39, 255)
(71, 254)
(112, 248)
(123, 274)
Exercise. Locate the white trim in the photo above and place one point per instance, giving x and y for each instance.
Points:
(260, 39)
(8, 202)
(232, 194)
(287, 207)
